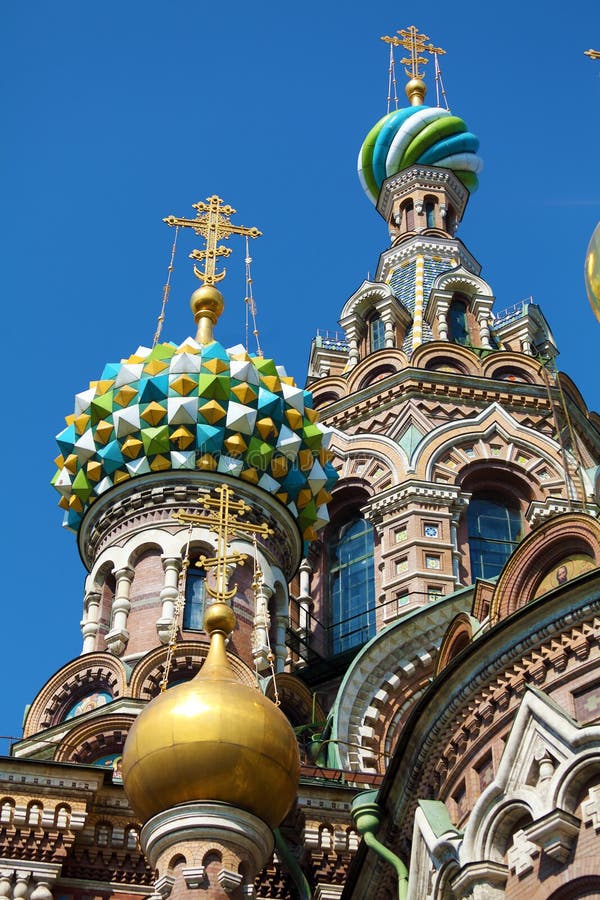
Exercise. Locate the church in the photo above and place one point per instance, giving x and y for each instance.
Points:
(339, 640)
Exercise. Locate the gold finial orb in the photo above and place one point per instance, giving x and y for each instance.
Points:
(219, 617)
(207, 304)
(415, 91)
(592, 271)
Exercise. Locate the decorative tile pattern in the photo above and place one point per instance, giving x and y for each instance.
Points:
(193, 407)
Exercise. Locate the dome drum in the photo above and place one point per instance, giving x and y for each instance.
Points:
(150, 500)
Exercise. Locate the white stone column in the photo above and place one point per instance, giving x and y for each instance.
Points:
(304, 598)
(21, 888)
(262, 624)
(168, 596)
(118, 636)
(442, 312)
(389, 328)
(89, 623)
(484, 331)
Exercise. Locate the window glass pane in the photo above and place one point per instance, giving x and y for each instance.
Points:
(494, 531)
(429, 213)
(351, 585)
(458, 330)
(377, 332)
(193, 611)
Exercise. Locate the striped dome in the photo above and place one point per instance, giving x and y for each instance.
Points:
(418, 134)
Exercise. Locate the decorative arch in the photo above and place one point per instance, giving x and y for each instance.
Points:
(458, 636)
(387, 462)
(93, 739)
(143, 549)
(365, 298)
(296, 699)
(462, 281)
(437, 353)
(387, 361)
(187, 661)
(328, 390)
(505, 361)
(82, 676)
(382, 677)
(570, 533)
(494, 421)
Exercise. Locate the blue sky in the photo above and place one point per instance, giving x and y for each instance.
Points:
(118, 114)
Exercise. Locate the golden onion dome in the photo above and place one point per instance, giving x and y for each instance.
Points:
(213, 739)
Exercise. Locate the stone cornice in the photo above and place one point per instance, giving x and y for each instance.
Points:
(425, 245)
(151, 500)
(413, 491)
(419, 383)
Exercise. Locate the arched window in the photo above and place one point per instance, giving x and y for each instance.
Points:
(458, 327)
(407, 216)
(495, 527)
(376, 333)
(193, 611)
(351, 585)
(430, 213)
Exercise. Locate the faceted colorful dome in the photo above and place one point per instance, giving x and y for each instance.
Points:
(196, 407)
(418, 134)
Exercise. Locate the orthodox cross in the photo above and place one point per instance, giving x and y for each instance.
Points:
(593, 54)
(221, 516)
(414, 42)
(212, 222)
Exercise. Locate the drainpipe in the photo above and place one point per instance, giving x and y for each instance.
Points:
(367, 818)
(291, 863)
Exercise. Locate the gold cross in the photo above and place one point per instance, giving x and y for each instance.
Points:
(411, 40)
(593, 54)
(222, 518)
(212, 222)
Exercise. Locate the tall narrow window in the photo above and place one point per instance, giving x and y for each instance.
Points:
(376, 333)
(458, 327)
(410, 215)
(495, 528)
(352, 585)
(430, 213)
(193, 611)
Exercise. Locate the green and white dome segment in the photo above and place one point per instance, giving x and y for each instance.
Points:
(196, 407)
(418, 134)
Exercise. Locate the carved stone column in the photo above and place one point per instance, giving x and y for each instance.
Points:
(262, 624)
(168, 596)
(89, 623)
(118, 636)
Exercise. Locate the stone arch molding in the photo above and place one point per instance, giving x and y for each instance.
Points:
(492, 420)
(538, 552)
(375, 446)
(391, 662)
(85, 674)
(542, 732)
(546, 754)
(365, 298)
(460, 279)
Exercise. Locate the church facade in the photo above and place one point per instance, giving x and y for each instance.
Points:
(413, 568)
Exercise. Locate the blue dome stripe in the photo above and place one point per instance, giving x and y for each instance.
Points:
(457, 143)
(385, 138)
